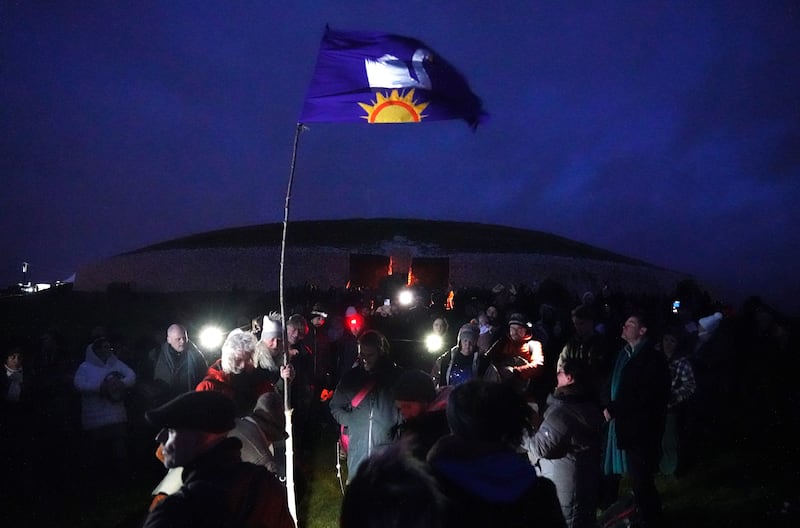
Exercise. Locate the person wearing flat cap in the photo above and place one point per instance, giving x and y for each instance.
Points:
(218, 488)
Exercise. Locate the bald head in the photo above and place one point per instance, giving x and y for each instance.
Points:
(177, 338)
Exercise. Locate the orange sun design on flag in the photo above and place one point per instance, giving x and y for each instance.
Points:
(396, 108)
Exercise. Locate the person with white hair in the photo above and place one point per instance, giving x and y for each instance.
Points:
(234, 373)
(270, 354)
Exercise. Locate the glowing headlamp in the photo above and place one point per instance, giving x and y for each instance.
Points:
(433, 343)
(210, 337)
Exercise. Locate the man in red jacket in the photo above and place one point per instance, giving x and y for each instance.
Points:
(517, 356)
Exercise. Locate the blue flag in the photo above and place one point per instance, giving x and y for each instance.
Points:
(371, 77)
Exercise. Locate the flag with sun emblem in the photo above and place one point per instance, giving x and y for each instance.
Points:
(371, 77)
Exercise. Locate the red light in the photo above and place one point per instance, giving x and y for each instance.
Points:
(353, 321)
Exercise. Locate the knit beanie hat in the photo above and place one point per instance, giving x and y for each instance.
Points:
(469, 331)
(272, 326)
(710, 323)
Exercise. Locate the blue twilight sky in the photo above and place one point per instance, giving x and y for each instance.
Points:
(667, 131)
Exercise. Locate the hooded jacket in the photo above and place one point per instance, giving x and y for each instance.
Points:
(259, 430)
(97, 407)
(492, 486)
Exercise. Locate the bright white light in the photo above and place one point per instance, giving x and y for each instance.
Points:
(433, 343)
(211, 337)
(405, 297)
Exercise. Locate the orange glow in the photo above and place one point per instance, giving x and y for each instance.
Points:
(410, 278)
(449, 304)
(391, 263)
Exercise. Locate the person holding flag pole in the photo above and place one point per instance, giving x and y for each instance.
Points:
(372, 77)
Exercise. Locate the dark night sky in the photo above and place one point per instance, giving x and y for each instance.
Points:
(659, 130)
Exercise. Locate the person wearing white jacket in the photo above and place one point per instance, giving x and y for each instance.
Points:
(102, 381)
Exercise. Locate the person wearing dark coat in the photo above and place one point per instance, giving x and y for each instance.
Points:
(422, 409)
(218, 488)
(393, 489)
(320, 344)
(593, 349)
(566, 447)
(363, 402)
(486, 481)
(636, 414)
(176, 365)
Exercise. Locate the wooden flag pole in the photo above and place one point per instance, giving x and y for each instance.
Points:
(287, 403)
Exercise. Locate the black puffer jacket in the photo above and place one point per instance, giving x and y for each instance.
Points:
(490, 485)
(567, 450)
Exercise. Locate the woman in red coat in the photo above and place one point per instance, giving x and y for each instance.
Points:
(235, 375)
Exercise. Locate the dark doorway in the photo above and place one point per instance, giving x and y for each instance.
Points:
(431, 272)
(366, 271)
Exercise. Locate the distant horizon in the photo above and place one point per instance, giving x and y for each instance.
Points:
(719, 293)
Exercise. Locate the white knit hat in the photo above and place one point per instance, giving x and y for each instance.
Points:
(272, 326)
(710, 323)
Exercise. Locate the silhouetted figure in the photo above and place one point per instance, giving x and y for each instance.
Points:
(486, 480)
(393, 489)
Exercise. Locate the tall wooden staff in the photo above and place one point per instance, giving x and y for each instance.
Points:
(287, 402)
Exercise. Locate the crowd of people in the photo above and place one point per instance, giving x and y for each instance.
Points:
(513, 419)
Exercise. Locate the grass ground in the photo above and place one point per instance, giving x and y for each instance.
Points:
(320, 506)
(740, 480)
